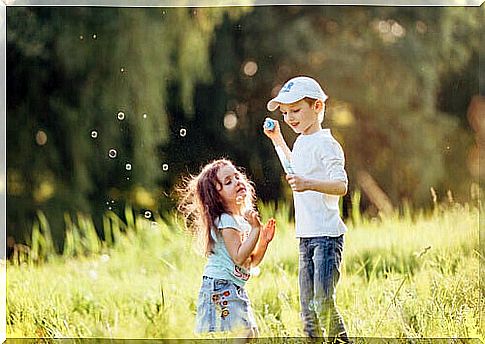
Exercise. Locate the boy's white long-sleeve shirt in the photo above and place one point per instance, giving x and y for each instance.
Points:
(318, 156)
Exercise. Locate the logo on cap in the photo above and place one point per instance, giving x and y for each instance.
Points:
(288, 87)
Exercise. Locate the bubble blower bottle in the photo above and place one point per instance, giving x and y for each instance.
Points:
(269, 124)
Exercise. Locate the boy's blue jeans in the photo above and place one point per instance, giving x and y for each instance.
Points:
(319, 272)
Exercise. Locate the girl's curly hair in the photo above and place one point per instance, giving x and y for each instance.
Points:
(201, 204)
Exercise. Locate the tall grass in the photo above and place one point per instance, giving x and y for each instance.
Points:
(402, 276)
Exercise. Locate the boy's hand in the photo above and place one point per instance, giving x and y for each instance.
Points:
(275, 134)
(268, 231)
(252, 216)
(296, 183)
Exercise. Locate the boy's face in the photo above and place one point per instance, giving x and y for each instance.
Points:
(302, 117)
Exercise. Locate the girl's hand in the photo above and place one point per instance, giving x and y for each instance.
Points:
(268, 231)
(297, 183)
(252, 216)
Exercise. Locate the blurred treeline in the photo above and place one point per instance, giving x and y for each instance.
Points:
(165, 90)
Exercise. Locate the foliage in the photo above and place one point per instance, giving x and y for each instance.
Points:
(85, 81)
(383, 69)
(176, 74)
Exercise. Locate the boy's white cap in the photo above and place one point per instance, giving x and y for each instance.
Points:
(296, 89)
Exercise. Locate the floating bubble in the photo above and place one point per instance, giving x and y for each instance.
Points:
(109, 208)
(94, 134)
(127, 178)
(144, 115)
(165, 167)
(112, 201)
(255, 271)
(121, 115)
(81, 37)
(122, 70)
(104, 258)
(41, 138)
(94, 36)
(250, 68)
(112, 153)
(183, 132)
(93, 274)
(107, 202)
(148, 214)
(128, 167)
(230, 120)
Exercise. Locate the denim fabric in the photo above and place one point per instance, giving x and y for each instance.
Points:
(319, 272)
(223, 306)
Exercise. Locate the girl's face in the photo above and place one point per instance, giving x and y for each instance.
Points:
(302, 117)
(232, 188)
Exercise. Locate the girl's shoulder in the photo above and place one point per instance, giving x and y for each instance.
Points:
(228, 221)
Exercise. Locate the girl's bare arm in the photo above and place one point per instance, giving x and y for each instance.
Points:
(238, 250)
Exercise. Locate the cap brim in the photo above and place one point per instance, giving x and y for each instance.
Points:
(283, 98)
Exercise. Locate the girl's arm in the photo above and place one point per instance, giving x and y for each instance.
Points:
(238, 250)
(265, 237)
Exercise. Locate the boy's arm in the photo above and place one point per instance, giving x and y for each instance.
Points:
(278, 140)
(333, 159)
(280, 143)
(329, 187)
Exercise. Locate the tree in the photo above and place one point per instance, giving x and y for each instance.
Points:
(383, 69)
(87, 100)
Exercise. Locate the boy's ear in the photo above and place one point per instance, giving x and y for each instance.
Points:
(318, 105)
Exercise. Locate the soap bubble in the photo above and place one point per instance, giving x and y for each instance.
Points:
(121, 115)
(183, 132)
(128, 167)
(165, 167)
(41, 138)
(94, 134)
(94, 36)
(148, 214)
(112, 153)
(144, 115)
(255, 271)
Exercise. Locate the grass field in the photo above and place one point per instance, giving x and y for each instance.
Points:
(403, 276)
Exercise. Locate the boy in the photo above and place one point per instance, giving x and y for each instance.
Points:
(317, 179)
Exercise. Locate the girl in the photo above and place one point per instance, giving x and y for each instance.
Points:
(218, 205)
